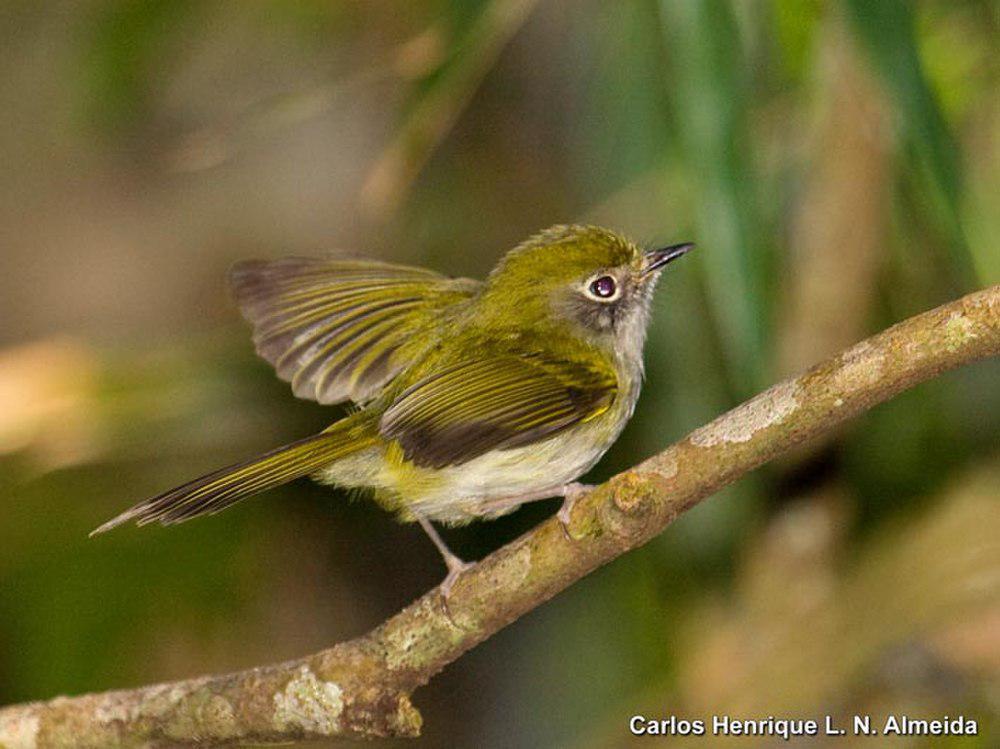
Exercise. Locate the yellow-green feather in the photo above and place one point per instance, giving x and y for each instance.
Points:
(498, 400)
(340, 330)
(220, 489)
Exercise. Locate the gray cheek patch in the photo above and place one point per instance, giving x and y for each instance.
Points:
(600, 317)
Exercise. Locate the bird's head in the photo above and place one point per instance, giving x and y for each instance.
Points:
(589, 278)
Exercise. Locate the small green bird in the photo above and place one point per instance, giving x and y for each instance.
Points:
(475, 397)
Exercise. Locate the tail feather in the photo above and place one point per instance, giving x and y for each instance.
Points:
(225, 487)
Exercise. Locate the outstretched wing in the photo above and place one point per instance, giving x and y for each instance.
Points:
(341, 329)
(493, 403)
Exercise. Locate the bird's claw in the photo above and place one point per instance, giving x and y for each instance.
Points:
(456, 567)
(571, 493)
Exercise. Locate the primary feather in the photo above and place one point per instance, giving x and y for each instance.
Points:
(342, 329)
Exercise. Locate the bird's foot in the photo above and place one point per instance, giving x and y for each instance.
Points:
(571, 493)
(456, 567)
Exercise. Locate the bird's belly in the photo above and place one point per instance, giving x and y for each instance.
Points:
(462, 493)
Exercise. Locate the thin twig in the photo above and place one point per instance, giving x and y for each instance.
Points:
(362, 688)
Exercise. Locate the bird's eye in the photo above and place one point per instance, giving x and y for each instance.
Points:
(603, 288)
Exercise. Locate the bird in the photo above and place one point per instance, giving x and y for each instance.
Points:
(470, 398)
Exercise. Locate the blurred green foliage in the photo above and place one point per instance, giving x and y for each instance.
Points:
(442, 132)
(888, 31)
(124, 59)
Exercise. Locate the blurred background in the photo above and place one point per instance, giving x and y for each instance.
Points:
(837, 164)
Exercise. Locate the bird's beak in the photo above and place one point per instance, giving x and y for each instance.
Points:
(656, 259)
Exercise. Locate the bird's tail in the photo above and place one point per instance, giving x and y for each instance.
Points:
(220, 489)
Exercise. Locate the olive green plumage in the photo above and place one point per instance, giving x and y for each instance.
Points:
(474, 396)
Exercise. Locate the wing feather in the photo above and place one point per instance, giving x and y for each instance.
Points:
(342, 329)
(452, 416)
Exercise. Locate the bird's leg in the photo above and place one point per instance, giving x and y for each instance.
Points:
(570, 493)
(456, 566)
(503, 504)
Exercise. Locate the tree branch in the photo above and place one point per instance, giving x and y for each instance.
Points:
(362, 688)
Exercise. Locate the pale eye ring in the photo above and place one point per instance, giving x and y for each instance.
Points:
(603, 288)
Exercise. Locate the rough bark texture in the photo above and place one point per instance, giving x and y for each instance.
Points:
(361, 688)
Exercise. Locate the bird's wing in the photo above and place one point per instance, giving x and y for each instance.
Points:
(341, 329)
(493, 403)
